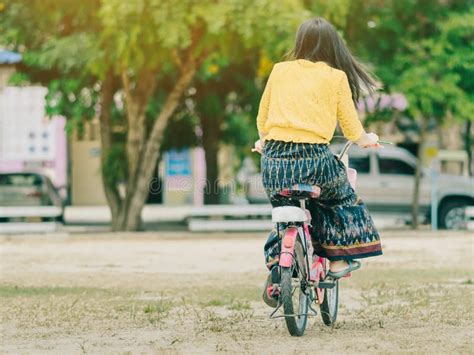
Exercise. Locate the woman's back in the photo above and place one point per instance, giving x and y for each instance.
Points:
(302, 102)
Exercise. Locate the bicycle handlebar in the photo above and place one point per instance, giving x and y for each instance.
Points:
(350, 143)
(345, 148)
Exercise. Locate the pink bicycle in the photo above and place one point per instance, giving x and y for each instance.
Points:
(299, 278)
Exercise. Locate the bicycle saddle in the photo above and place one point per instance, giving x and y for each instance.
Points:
(301, 191)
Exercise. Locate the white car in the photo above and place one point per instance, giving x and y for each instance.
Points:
(29, 189)
(386, 183)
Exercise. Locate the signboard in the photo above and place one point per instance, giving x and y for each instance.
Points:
(178, 163)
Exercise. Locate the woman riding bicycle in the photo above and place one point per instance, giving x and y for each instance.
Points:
(303, 100)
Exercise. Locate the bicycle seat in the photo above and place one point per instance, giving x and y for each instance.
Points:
(301, 191)
(286, 214)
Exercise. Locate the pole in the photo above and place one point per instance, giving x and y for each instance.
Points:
(434, 194)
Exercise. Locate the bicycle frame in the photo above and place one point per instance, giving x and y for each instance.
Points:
(288, 246)
(315, 266)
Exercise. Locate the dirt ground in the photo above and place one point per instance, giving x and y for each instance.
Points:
(183, 293)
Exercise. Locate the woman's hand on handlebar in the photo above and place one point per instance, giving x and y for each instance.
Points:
(368, 140)
(258, 147)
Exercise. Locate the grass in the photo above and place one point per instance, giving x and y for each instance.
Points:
(386, 308)
(220, 321)
(158, 310)
(428, 296)
(215, 303)
(231, 303)
(239, 305)
(402, 276)
(159, 307)
(7, 291)
(238, 296)
(383, 294)
(78, 307)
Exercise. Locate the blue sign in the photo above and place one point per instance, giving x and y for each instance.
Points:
(178, 163)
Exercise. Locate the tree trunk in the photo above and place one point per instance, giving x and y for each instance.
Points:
(418, 175)
(451, 133)
(210, 139)
(136, 102)
(468, 134)
(137, 191)
(114, 201)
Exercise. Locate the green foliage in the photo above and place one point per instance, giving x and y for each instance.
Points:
(56, 53)
(423, 49)
(457, 49)
(146, 33)
(69, 54)
(181, 132)
(115, 164)
(51, 34)
(437, 73)
(380, 115)
(71, 98)
(19, 79)
(335, 11)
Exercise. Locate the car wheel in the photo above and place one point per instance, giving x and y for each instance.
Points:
(452, 215)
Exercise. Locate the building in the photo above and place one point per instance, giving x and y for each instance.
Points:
(29, 140)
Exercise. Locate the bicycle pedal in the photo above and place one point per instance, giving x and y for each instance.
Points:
(275, 275)
(325, 284)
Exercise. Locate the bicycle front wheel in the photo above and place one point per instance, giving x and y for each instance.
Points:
(293, 293)
(330, 304)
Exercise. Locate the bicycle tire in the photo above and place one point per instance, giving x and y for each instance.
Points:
(330, 305)
(296, 324)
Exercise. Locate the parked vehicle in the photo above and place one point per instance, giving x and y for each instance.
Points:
(20, 189)
(386, 184)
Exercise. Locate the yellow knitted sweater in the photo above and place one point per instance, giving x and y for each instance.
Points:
(303, 101)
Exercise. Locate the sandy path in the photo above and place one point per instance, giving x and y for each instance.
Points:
(399, 302)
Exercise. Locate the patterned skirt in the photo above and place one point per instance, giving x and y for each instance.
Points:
(342, 228)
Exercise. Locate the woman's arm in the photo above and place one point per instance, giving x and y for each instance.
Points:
(263, 108)
(346, 112)
(349, 120)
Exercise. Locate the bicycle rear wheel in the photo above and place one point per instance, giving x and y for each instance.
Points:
(293, 293)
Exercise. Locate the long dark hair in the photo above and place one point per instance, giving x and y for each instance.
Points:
(317, 40)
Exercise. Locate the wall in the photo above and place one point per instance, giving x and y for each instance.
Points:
(86, 178)
(29, 140)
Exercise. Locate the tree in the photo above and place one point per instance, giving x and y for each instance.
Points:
(226, 102)
(422, 49)
(227, 90)
(155, 37)
(135, 48)
(443, 85)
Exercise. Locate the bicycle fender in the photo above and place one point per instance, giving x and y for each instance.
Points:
(288, 247)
